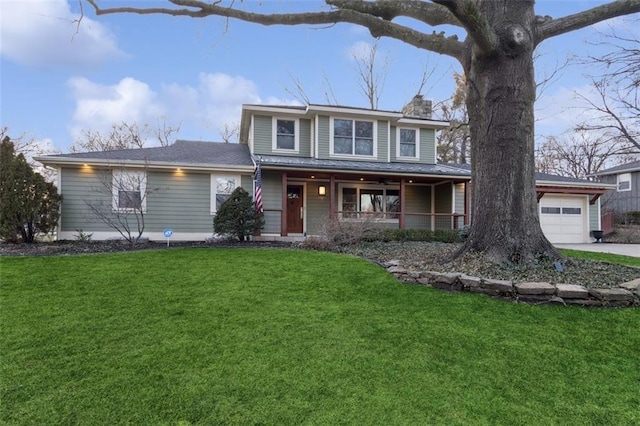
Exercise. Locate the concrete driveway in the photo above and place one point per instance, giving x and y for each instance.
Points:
(625, 249)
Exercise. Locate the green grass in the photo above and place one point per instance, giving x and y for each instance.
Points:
(278, 337)
(603, 257)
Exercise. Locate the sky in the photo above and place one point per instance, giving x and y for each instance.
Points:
(59, 77)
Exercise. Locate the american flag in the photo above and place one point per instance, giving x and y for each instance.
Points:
(258, 191)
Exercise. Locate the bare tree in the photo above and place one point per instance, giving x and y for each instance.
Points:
(372, 73)
(616, 82)
(124, 135)
(230, 132)
(30, 147)
(454, 143)
(578, 154)
(119, 200)
(497, 60)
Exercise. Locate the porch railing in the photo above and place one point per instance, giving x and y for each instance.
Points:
(411, 220)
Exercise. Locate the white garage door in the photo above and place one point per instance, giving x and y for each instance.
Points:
(564, 218)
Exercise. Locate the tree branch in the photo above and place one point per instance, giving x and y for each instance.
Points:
(378, 27)
(550, 28)
(473, 20)
(428, 13)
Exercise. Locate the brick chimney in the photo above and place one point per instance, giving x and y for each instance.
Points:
(417, 107)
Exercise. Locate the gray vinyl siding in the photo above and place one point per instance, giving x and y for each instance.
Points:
(383, 140)
(417, 200)
(305, 138)
(443, 200)
(317, 208)
(272, 202)
(622, 201)
(262, 134)
(594, 216)
(393, 143)
(180, 202)
(324, 136)
(79, 187)
(427, 146)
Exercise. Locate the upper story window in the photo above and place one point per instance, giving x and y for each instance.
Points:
(624, 182)
(407, 143)
(353, 137)
(129, 190)
(285, 135)
(221, 189)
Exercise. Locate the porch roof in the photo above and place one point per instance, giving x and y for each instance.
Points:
(278, 162)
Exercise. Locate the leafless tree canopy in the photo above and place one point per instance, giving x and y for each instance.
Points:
(125, 135)
(577, 154)
(454, 142)
(615, 78)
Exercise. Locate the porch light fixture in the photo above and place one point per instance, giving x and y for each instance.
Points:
(322, 190)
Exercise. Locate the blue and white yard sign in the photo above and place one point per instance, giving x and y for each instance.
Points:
(168, 233)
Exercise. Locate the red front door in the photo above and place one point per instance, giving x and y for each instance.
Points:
(295, 209)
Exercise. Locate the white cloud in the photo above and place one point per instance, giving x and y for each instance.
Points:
(201, 110)
(99, 106)
(46, 33)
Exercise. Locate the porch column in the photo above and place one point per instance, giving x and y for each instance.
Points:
(332, 197)
(283, 215)
(467, 201)
(402, 197)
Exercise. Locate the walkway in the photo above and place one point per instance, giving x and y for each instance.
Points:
(624, 249)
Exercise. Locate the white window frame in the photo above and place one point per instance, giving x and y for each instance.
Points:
(296, 136)
(119, 179)
(622, 178)
(399, 152)
(358, 212)
(213, 194)
(374, 124)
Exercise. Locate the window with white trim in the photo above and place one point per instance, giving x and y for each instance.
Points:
(369, 202)
(407, 143)
(221, 189)
(129, 189)
(624, 182)
(285, 134)
(353, 137)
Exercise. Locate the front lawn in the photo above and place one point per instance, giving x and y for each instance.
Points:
(281, 337)
(603, 257)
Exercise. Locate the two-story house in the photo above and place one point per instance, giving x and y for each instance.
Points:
(318, 163)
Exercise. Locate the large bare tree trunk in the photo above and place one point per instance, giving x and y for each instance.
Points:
(500, 99)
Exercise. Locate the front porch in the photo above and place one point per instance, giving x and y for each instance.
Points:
(304, 203)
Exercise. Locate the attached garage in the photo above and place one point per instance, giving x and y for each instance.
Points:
(569, 208)
(564, 218)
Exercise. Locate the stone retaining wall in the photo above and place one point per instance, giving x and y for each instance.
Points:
(625, 294)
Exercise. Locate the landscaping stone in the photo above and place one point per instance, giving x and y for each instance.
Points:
(611, 294)
(501, 286)
(534, 298)
(633, 286)
(447, 278)
(535, 288)
(572, 291)
(470, 282)
(584, 302)
(424, 281)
